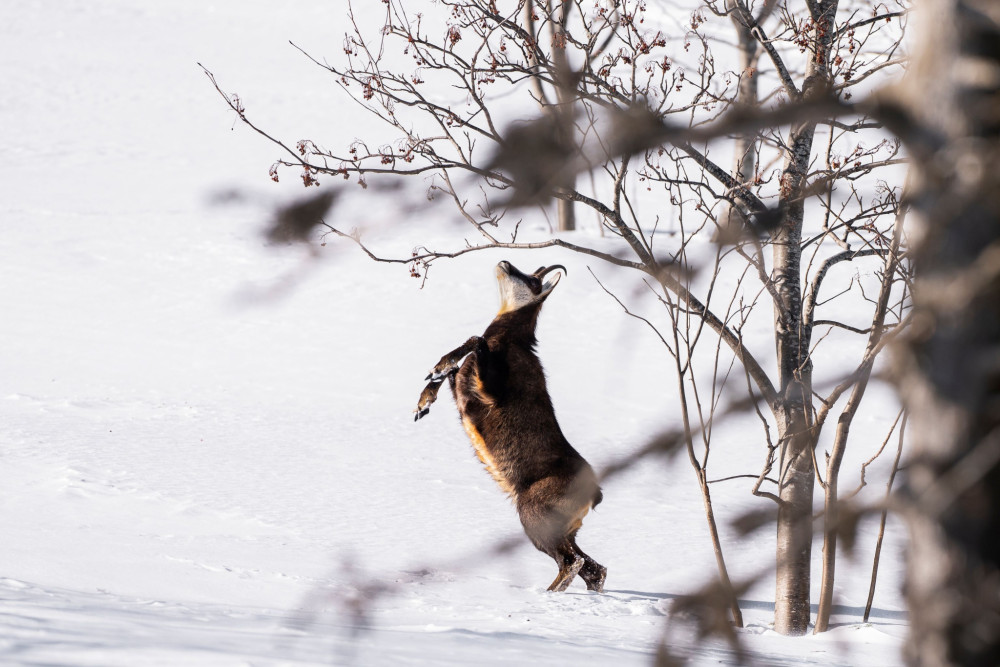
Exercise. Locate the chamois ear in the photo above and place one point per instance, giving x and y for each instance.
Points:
(550, 284)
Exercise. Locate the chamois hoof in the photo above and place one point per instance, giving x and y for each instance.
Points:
(596, 582)
(427, 397)
(566, 576)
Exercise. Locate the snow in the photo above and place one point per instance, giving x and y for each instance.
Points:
(207, 443)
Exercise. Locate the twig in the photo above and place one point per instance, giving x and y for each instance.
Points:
(881, 524)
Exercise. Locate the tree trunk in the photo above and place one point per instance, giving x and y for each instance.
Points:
(794, 541)
(565, 213)
(794, 545)
(950, 373)
(720, 560)
(565, 91)
(831, 519)
(731, 222)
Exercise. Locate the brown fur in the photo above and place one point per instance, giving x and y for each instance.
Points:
(506, 410)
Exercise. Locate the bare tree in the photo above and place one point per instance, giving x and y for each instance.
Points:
(644, 105)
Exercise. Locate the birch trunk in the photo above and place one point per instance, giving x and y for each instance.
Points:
(731, 222)
(794, 539)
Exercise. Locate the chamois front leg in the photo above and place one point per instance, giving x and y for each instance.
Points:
(427, 396)
(448, 365)
(449, 362)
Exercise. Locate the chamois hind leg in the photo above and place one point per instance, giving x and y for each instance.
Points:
(549, 528)
(547, 535)
(592, 572)
(570, 564)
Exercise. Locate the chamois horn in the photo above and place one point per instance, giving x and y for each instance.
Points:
(542, 271)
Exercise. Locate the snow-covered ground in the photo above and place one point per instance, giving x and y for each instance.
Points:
(206, 444)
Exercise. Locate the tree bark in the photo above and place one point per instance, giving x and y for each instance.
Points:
(565, 94)
(565, 212)
(731, 222)
(950, 373)
(795, 490)
(794, 540)
(720, 560)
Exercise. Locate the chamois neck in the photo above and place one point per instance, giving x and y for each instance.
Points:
(516, 325)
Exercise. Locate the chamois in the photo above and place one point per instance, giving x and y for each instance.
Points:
(507, 413)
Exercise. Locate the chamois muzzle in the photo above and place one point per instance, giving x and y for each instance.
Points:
(518, 289)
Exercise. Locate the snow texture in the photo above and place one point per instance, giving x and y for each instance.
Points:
(207, 443)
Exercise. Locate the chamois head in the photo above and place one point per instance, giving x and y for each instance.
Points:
(518, 290)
